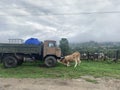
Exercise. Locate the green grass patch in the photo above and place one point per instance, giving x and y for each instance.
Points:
(35, 70)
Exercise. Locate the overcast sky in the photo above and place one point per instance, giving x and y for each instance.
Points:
(77, 20)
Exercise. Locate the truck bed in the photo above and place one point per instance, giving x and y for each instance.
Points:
(20, 48)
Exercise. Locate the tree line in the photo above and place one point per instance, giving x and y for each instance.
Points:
(108, 48)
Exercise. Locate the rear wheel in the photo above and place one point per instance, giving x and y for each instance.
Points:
(9, 62)
(50, 61)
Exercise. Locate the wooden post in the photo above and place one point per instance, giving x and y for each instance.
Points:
(116, 55)
(88, 55)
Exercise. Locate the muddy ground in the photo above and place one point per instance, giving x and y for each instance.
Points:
(84, 83)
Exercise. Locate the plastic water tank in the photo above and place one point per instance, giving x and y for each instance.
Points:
(32, 41)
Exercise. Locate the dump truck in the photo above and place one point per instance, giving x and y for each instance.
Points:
(12, 55)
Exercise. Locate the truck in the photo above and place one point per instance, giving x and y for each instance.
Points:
(13, 55)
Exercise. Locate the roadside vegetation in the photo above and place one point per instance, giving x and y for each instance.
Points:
(36, 70)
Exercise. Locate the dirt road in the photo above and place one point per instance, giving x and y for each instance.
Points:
(84, 83)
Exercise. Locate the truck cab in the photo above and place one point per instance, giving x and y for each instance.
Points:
(50, 48)
(51, 52)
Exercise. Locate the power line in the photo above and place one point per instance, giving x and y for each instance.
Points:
(49, 9)
(63, 14)
(3, 7)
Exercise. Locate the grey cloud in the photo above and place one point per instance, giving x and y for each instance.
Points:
(29, 18)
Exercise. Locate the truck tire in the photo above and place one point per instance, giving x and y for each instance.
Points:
(9, 62)
(50, 61)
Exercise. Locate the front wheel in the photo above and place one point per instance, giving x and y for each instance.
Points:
(50, 61)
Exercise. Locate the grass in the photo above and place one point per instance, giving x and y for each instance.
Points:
(35, 70)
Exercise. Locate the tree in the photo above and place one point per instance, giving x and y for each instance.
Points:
(64, 45)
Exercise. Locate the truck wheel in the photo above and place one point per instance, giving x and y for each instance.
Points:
(50, 61)
(9, 62)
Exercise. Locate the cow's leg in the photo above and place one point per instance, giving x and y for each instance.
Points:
(79, 61)
(68, 64)
(75, 63)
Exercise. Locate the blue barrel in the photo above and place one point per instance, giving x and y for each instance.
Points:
(32, 41)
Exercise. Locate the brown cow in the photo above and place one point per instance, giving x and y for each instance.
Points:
(75, 57)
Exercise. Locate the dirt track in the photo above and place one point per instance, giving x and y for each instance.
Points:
(59, 84)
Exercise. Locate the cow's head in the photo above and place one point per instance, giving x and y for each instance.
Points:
(62, 60)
